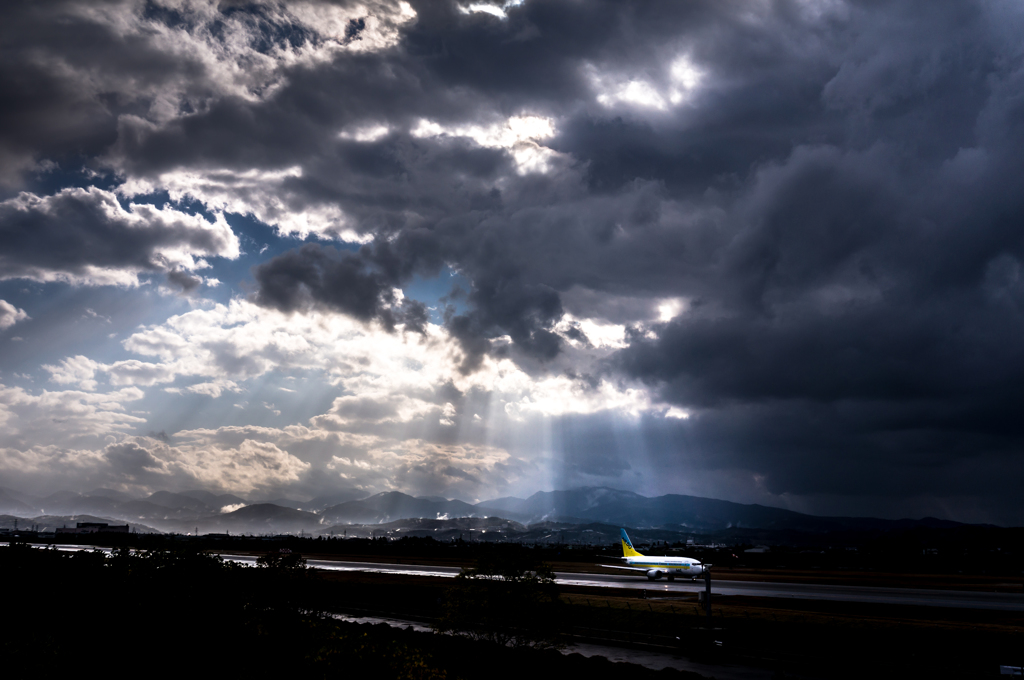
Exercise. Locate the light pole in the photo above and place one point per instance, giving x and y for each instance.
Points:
(707, 594)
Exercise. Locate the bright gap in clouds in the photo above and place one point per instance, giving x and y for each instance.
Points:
(499, 11)
(646, 90)
(520, 135)
(430, 291)
(487, 9)
(365, 133)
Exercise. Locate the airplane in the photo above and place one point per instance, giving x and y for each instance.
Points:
(656, 567)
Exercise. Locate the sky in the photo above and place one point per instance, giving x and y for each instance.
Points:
(767, 251)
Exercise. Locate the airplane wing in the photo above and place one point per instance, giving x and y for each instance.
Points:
(622, 566)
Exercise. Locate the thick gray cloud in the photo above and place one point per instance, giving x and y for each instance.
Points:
(315, 276)
(85, 235)
(181, 280)
(828, 191)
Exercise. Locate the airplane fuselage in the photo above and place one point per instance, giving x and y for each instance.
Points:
(656, 566)
(671, 567)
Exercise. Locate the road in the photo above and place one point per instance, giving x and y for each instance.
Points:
(802, 591)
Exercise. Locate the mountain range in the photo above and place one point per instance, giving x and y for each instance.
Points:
(208, 512)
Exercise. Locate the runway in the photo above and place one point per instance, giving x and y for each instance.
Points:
(802, 591)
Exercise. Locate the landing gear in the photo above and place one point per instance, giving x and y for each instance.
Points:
(671, 577)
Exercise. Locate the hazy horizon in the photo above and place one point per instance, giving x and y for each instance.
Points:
(317, 505)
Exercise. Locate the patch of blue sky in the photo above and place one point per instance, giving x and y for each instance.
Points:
(435, 292)
(71, 320)
(51, 177)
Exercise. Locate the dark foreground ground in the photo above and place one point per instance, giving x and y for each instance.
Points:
(803, 637)
(168, 613)
(188, 614)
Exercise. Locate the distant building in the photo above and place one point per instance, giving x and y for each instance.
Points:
(94, 528)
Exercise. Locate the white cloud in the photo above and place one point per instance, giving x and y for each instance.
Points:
(670, 308)
(685, 77)
(487, 8)
(264, 194)
(57, 417)
(448, 415)
(10, 315)
(560, 395)
(44, 459)
(493, 10)
(211, 389)
(369, 462)
(82, 370)
(599, 333)
(77, 369)
(229, 52)
(385, 378)
(395, 398)
(242, 468)
(637, 92)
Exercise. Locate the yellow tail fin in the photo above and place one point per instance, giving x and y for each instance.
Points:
(627, 546)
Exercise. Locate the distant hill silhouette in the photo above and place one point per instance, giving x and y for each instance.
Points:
(212, 500)
(674, 513)
(394, 505)
(260, 518)
(693, 513)
(12, 505)
(335, 498)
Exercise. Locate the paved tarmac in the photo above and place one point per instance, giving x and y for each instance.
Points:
(803, 591)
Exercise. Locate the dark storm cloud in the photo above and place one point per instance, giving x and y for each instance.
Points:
(345, 282)
(524, 311)
(864, 312)
(69, 72)
(45, 114)
(837, 201)
(846, 225)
